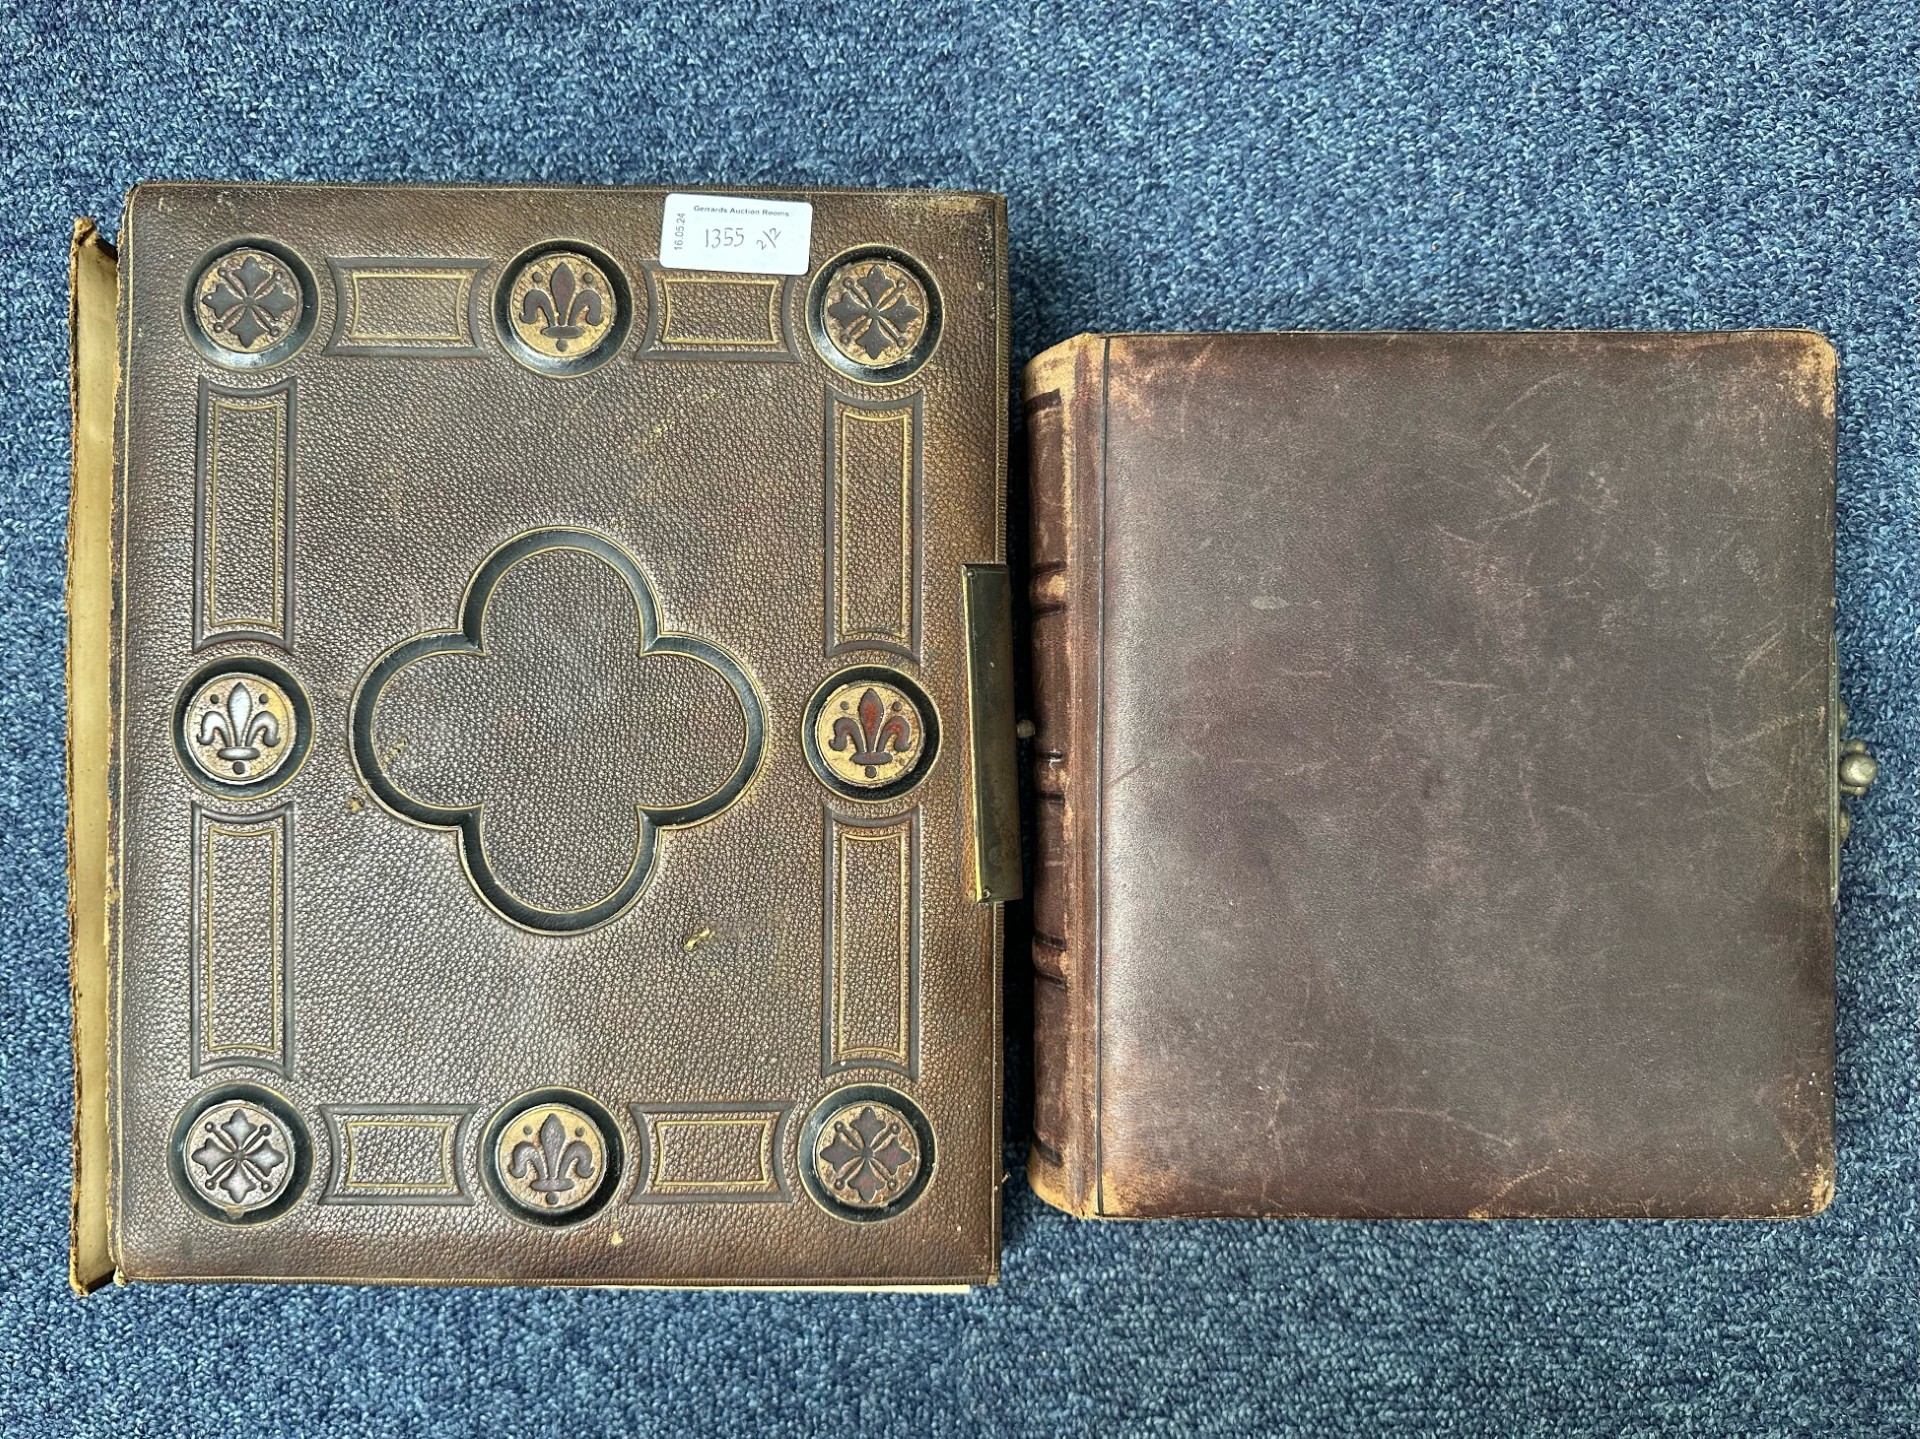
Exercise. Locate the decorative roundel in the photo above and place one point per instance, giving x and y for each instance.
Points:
(871, 733)
(241, 726)
(250, 305)
(563, 308)
(874, 314)
(552, 1157)
(240, 1155)
(866, 1153)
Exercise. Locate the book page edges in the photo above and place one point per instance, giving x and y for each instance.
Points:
(94, 276)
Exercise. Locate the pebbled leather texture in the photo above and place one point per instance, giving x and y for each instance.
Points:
(1434, 774)
(557, 849)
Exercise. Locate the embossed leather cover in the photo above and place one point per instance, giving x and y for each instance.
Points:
(543, 833)
(1435, 774)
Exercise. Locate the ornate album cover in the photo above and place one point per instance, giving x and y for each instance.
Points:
(541, 753)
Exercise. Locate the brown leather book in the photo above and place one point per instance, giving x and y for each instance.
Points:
(542, 746)
(1437, 749)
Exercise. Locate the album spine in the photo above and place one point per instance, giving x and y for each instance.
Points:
(1064, 418)
(95, 330)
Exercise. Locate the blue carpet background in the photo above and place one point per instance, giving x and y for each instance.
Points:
(1333, 165)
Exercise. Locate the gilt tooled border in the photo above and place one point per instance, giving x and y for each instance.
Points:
(659, 343)
(451, 1120)
(771, 1187)
(349, 271)
(841, 636)
(466, 820)
(204, 1054)
(274, 629)
(837, 1057)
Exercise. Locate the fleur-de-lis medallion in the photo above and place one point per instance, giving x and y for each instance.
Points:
(234, 724)
(880, 735)
(561, 305)
(550, 1158)
(869, 734)
(239, 727)
(248, 301)
(565, 308)
(552, 1164)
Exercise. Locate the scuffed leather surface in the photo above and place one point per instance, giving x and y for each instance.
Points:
(406, 989)
(1462, 784)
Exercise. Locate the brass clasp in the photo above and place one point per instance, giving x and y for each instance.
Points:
(1856, 773)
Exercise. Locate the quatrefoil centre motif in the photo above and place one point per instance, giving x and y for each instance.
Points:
(557, 729)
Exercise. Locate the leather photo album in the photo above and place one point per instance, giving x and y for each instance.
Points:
(542, 762)
(542, 765)
(1438, 762)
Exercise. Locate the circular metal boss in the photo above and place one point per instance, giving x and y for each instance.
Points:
(240, 1155)
(251, 305)
(563, 308)
(874, 314)
(866, 1153)
(242, 726)
(552, 1157)
(871, 733)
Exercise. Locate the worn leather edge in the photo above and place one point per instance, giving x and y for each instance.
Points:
(1087, 490)
(93, 276)
(1818, 368)
(935, 194)
(1064, 763)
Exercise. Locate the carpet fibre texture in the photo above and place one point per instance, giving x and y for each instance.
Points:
(1339, 165)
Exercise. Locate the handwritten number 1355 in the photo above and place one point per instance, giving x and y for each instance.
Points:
(726, 238)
